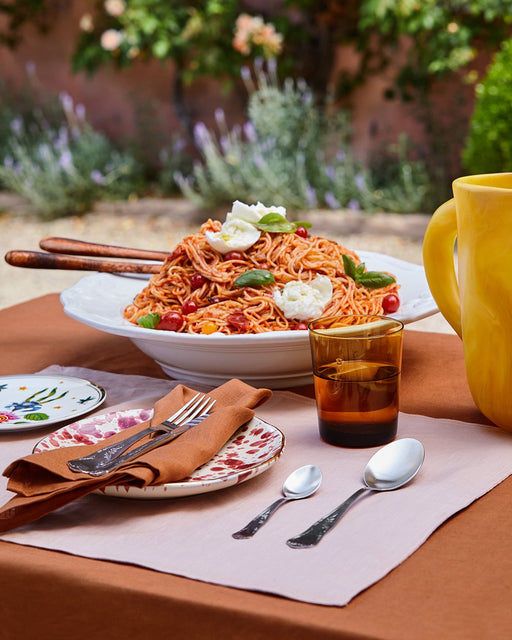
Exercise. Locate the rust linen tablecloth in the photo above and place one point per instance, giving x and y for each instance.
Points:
(463, 461)
(456, 585)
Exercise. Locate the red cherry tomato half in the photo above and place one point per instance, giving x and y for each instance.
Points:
(300, 326)
(171, 321)
(234, 255)
(197, 281)
(238, 321)
(390, 303)
(177, 253)
(302, 232)
(189, 306)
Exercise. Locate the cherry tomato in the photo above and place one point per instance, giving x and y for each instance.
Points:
(300, 326)
(234, 255)
(189, 306)
(302, 232)
(177, 253)
(238, 321)
(197, 281)
(171, 321)
(390, 303)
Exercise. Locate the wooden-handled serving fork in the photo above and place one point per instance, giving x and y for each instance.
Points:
(74, 260)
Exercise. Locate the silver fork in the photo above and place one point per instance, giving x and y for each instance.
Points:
(160, 440)
(198, 406)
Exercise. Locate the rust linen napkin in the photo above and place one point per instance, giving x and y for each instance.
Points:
(43, 482)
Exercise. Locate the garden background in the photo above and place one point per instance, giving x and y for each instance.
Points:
(169, 111)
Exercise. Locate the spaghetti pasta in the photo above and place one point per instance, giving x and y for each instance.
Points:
(197, 283)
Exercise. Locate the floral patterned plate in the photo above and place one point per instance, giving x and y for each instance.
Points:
(255, 447)
(33, 401)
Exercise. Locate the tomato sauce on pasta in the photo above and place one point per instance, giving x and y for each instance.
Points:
(196, 274)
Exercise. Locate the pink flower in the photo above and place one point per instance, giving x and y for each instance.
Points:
(254, 31)
(115, 8)
(7, 417)
(111, 39)
(241, 45)
(265, 33)
(244, 22)
(86, 23)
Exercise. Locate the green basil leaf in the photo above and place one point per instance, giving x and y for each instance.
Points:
(268, 218)
(254, 278)
(369, 279)
(375, 280)
(149, 321)
(350, 266)
(359, 271)
(275, 223)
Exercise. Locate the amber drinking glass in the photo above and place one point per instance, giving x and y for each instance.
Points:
(356, 365)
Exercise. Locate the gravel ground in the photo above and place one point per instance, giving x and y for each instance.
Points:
(160, 224)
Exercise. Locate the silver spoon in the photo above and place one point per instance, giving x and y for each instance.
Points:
(301, 483)
(390, 468)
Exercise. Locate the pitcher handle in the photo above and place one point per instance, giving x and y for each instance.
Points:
(438, 250)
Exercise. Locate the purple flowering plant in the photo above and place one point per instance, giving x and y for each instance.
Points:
(55, 159)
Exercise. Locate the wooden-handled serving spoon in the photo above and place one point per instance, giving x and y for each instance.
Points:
(40, 260)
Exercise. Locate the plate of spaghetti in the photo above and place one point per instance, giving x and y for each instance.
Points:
(234, 299)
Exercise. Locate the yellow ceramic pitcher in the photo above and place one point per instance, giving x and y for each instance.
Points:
(478, 302)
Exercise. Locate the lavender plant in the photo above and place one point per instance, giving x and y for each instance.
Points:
(63, 169)
(276, 156)
(289, 153)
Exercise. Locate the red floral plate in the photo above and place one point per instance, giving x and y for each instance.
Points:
(255, 447)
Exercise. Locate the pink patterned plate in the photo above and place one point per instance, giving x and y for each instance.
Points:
(255, 447)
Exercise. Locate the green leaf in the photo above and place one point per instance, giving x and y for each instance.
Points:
(35, 417)
(350, 266)
(359, 271)
(160, 48)
(254, 278)
(369, 279)
(275, 223)
(149, 321)
(375, 280)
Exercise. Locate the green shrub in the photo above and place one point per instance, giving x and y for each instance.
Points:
(64, 169)
(174, 160)
(158, 150)
(400, 184)
(489, 144)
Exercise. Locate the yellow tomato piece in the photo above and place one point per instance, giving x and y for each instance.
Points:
(209, 327)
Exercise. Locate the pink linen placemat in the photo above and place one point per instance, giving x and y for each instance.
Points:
(191, 536)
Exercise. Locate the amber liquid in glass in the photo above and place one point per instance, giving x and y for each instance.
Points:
(357, 403)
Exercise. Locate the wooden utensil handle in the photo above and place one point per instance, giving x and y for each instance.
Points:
(39, 260)
(82, 248)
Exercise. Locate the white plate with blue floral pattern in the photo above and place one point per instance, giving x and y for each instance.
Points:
(34, 401)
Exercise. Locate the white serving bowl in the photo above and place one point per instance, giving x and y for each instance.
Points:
(273, 359)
